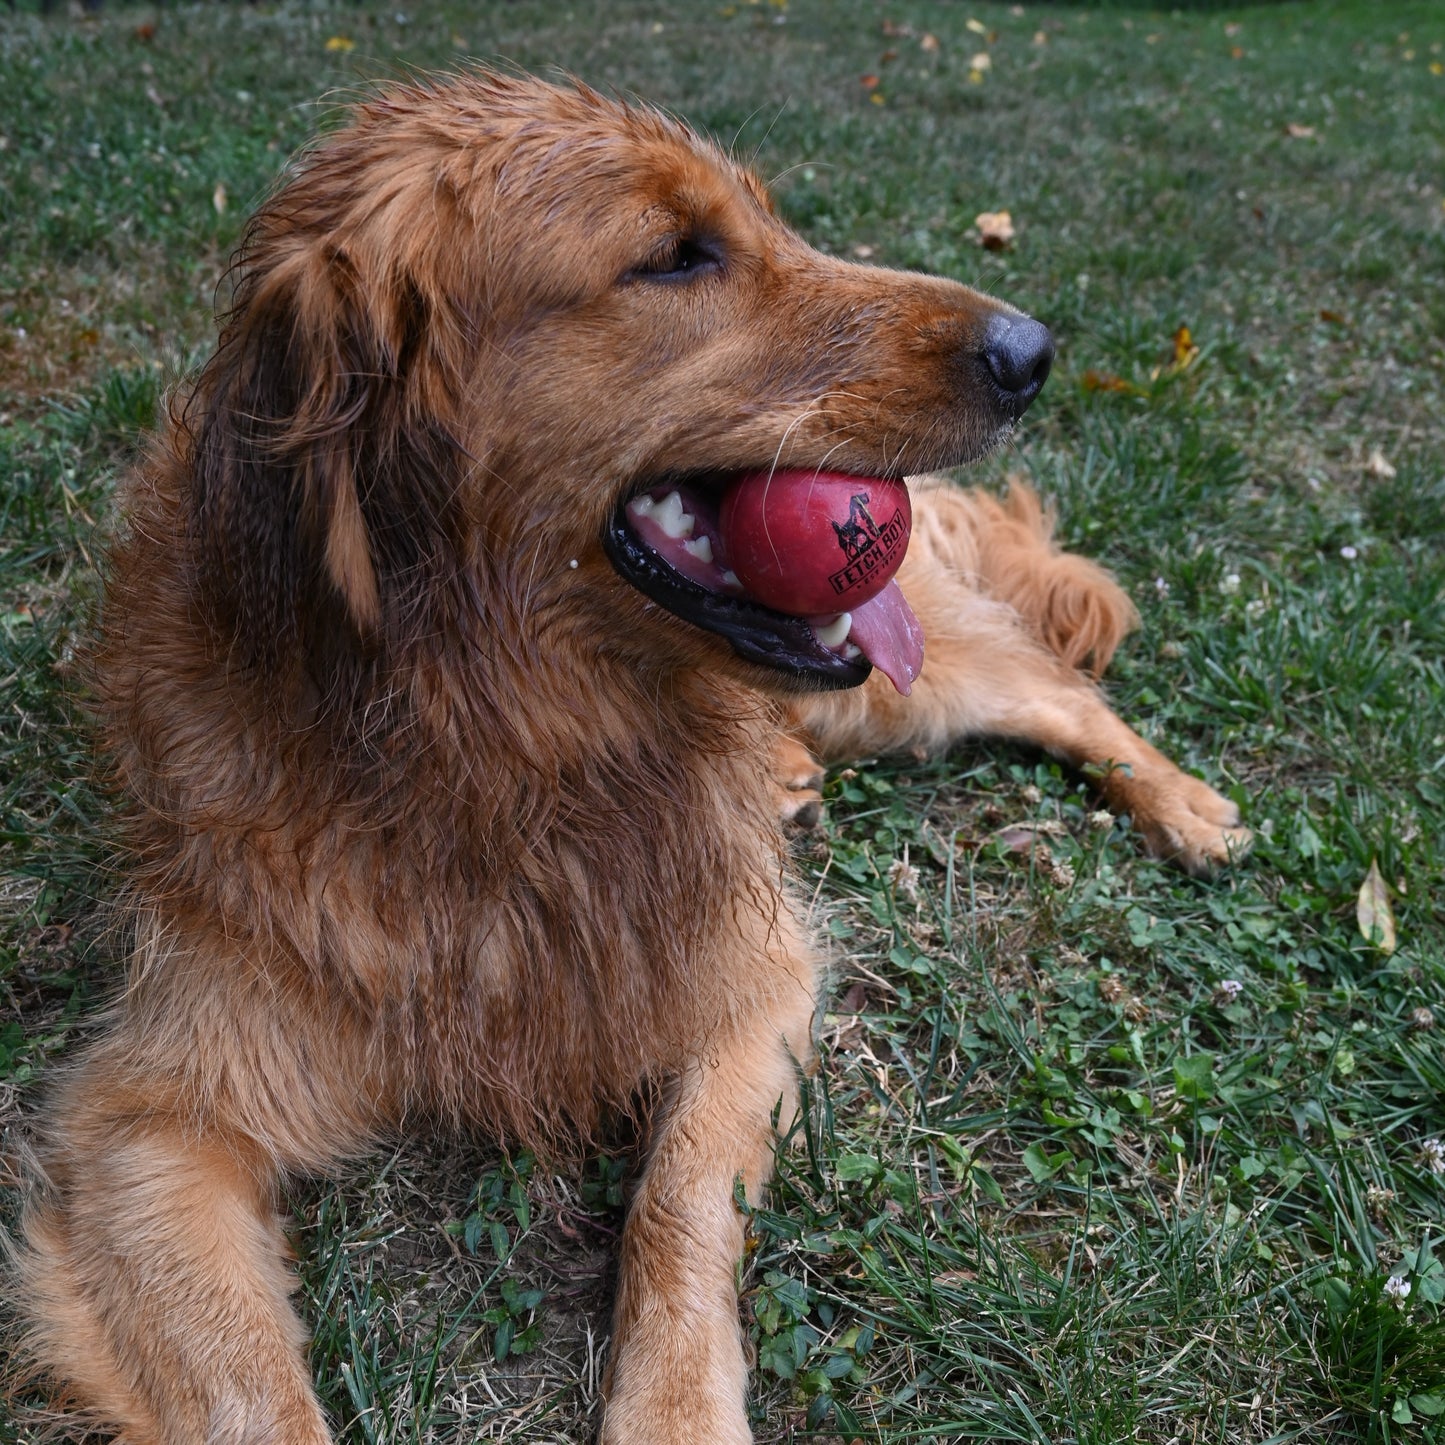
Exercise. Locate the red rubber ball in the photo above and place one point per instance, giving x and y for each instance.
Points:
(813, 544)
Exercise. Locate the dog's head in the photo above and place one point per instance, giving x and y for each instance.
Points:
(477, 322)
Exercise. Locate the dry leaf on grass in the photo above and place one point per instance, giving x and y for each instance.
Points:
(995, 230)
(1376, 466)
(1107, 381)
(1373, 912)
(1183, 354)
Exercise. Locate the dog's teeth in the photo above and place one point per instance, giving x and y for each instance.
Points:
(673, 518)
(732, 582)
(641, 506)
(851, 651)
(700, 547)
(835, 631)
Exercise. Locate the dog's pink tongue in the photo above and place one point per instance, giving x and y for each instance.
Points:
(890, 636)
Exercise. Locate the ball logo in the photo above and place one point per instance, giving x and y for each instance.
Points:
(865, 544)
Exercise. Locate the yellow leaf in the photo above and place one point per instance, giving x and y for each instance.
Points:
(1373, 912)
(341, 42)
(977, 26)
(1186, 353)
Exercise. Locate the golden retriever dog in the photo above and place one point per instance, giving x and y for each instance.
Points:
(454, 803)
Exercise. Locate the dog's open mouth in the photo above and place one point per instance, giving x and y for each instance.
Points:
(668, 543)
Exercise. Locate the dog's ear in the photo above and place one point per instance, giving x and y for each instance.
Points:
(311, 474)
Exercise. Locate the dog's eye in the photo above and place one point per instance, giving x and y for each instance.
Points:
(680, 259)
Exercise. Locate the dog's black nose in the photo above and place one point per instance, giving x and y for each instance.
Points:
(1018, 352)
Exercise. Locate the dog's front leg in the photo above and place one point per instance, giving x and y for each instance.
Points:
(677, 1370)
(155, 1277)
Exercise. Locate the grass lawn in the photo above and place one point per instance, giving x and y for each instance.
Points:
(1097, 1153)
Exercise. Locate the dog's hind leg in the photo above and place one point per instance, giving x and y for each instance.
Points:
(677, 1371)
(1004, 627)
(797, 779)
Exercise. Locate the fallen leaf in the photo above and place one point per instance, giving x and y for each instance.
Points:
(341, 42)
(1041, 37)
(868, 82)
(219, 198)
(977, 26)
(1376, 466)
(1295, 131)
(1373, 912)
(995, 230)
(1025, 837)
(1186, 353)
(1333, 317)
(928, 43)
(1236, 52)
(887, 56)
(1107, 381)
(145, 33)
(981, 61)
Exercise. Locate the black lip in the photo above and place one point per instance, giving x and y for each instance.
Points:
(756, 633)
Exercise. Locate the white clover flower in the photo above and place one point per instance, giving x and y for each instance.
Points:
(1397, 1288)
(1228, 989)
(1101, 819)
(903, 878)
(1432, 1155)
(1349, 553)
(1230, 582)
(1161, 586)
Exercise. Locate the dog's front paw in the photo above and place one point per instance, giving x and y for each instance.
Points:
(671, 1413)
(1183, 820)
